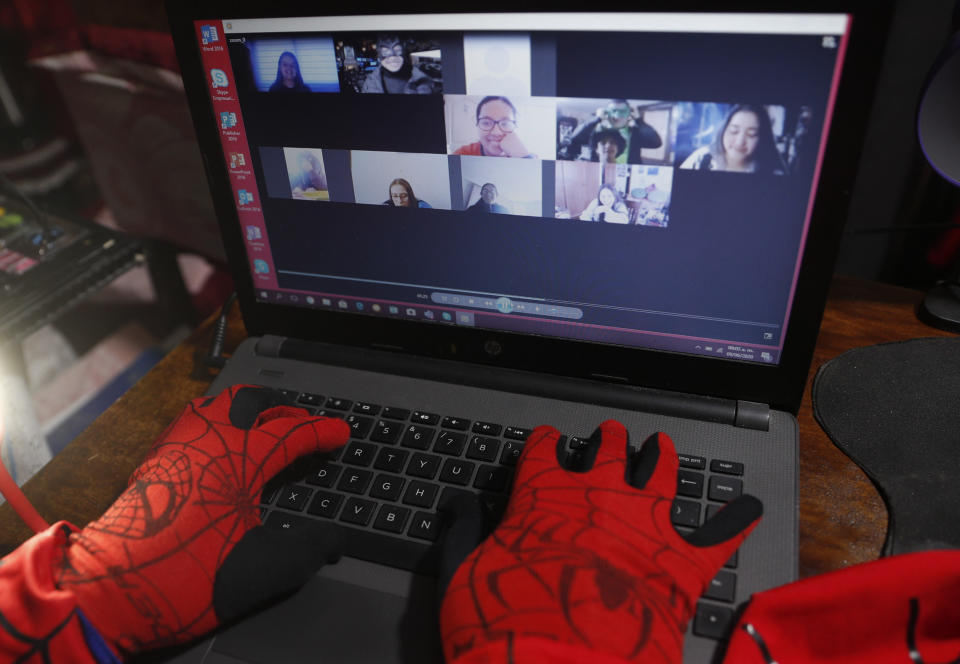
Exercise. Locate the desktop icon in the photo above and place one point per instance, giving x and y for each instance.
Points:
(376, 307)
(228, 119)
(209, 34)
(294, 298)
(237, 160)
(359, 306)
(244, 197)
(310, 300)
(446, 316)
(260, 266)
(411, 311)
(218, 78)
(264, 294)
(253, 233)
(326, 302)
(766, 357)
(428, 314)
(394, 310)
(342, 304)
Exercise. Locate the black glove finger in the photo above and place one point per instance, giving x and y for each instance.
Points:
(654, 466)
(735, 518)
(267, 564)
(578, 456)
(248, 401)
(464, 527)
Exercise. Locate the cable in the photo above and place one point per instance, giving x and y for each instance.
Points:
(15, 496)
(215, 357)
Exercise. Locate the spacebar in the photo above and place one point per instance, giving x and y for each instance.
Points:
(388, 550)
(369, 545)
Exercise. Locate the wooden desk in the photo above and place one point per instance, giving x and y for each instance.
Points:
(842, 519)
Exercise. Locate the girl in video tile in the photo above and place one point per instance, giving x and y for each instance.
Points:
(496, 130)
(743, 144)
(288, 75)
(608, 206)
(401, 195)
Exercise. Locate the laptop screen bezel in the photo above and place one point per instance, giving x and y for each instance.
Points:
(780, 386)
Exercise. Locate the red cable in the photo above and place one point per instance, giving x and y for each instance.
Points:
(15, 496)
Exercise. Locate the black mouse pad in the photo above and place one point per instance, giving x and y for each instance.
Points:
(894, 409)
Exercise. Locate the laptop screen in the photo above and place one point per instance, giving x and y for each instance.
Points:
(643, 180)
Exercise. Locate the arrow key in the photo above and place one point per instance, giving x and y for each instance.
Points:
(689, 484)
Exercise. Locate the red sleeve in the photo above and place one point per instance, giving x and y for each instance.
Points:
(38, 621)
(473, 149)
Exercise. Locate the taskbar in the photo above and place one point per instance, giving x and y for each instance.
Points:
(498, 318)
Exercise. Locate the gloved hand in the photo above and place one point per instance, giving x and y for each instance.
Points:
(901, 609)
(182, 550)
(585, 566)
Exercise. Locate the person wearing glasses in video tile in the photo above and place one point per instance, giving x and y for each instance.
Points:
(487, 203)
(396, 73)
(497, 131)
(618, 116)
(401, 195)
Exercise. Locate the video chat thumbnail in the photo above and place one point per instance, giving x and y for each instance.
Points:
(497, 65)
(400, 179)
(636, 194)
(500, 186)
(500, 126)
(285, 65)
(741, 138)
(308, 180)
(616, 131)
(389, 63)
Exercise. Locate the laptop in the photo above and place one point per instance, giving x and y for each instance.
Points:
(449, 228)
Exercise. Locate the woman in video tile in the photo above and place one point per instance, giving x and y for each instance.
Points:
(607, 206)
(288, 75)
(487, 204)
(616, 116)
(396, 73)
(497, 131)
(401, 195)
(744, 144)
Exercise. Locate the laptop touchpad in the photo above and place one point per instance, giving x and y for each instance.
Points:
(332, 620)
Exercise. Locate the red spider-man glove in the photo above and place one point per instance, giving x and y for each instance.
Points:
(586, 566)
(897, 610)
(182, 550)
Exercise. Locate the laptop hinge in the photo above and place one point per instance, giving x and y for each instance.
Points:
(746, 414)
(753, 415)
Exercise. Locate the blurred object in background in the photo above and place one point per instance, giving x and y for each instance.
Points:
(94, 124)
(938, 133)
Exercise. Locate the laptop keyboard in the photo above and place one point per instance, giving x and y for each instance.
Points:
(384, 487)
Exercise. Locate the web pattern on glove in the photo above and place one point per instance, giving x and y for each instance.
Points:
(145, 571)
(583, 558)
